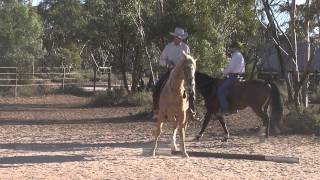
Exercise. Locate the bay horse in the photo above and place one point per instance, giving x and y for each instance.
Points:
(257, 94)
(173, 102)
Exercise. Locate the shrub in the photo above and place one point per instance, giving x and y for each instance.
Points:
(137, 99)
(72, 90)
(119, 97)
(315, 97)
(28, 91)
(308, 121)
(108, 98)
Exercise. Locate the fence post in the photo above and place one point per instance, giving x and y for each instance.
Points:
(94, 79)
(16, 86)
(109, 78)
(64, 76)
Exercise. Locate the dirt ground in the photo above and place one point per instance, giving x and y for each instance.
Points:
(56, 137)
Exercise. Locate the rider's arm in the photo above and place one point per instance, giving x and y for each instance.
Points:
(164, 57)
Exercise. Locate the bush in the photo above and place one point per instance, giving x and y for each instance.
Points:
(306, 122)
(119, 97)
(72, 90)
(137, 99)
(28, 91)
(315, 97)
(108, 98)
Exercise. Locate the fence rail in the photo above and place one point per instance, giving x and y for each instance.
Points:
(13, 79)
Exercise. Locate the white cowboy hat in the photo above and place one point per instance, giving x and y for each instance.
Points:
(180, 33)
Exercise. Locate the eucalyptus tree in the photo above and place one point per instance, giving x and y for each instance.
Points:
(20, 34)
(64, 21)
(299, 21)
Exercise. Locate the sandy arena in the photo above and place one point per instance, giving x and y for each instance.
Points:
(55, 137)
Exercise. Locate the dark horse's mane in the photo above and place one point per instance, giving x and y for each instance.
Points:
(205, 84)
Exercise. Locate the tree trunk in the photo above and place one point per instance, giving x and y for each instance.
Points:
(296, 74)
(307, 58)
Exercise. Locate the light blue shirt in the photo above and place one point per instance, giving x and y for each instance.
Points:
(173, 53)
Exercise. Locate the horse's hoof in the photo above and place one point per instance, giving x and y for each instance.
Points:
(174, 152)
(198, 137)
(185, 155)
(263, 140)
(224, 139)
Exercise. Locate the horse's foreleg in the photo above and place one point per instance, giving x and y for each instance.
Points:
(225, 129)
(204, 125)
(174, 135)
(182, 131)
(157, 134)
(182, 138)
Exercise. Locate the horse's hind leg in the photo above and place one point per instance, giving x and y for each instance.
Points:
(265, 119)
(225, 129)
(204, 125)
(157, 134)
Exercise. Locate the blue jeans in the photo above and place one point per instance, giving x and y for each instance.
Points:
(222, 89)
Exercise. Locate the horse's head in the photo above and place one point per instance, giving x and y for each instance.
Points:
(189, 68)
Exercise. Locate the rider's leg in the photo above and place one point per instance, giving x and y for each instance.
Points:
(222, 90)
(157, 90)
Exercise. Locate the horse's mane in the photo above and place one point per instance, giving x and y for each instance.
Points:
(205, 84)
(204, 79)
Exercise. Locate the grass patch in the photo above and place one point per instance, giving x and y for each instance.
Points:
(120, 98)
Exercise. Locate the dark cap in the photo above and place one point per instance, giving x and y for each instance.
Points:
(235, 44)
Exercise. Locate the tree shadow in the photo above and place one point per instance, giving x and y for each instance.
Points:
(32, 107)
(57, 147)
(19, 160)
(123, 119)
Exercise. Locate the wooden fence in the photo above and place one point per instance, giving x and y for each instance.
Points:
(57, 76)
(10, 77)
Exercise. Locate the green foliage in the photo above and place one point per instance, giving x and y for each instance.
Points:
(20, 34)
(209, 51)
(69, 55)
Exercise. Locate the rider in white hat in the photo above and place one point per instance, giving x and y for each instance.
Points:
(172, 53)
(170, 56)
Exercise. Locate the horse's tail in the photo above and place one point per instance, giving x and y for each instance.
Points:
(276, 106)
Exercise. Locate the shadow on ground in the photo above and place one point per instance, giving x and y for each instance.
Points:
(18, 160)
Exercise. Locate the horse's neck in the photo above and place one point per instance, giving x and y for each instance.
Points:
(176, 77)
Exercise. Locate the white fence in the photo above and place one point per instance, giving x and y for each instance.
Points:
(10, 77)
(57, 76)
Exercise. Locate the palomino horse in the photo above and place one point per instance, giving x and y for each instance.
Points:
(173, 101)
(257, 94)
